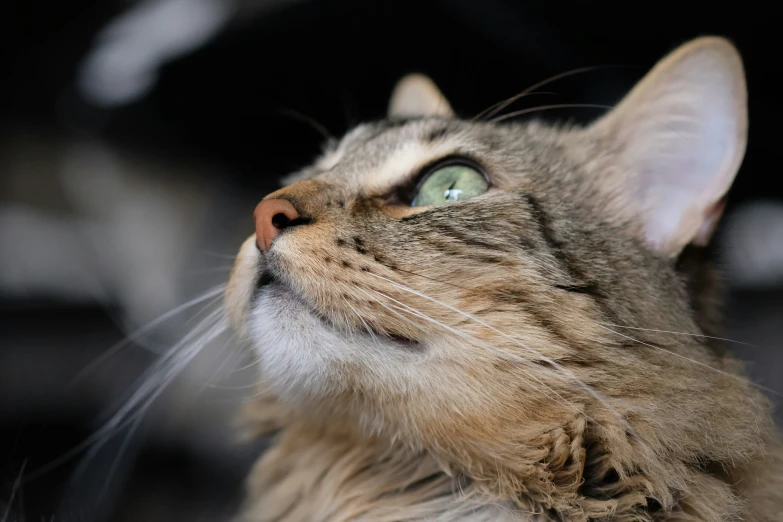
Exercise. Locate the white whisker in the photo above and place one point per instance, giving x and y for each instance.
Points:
(556, 365)
(553, 106)
(14, 490)
(366, 326)
(118, 457)
(494, 109)
(144, 329)
(470, 338)
(727, 374)
(178, 360)
(234, 388)
(216, 375)
(149, 387)
(198, 315)
(152, 388)
(248, 365)
(681, 333)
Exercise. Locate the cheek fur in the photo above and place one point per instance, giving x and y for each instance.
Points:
(241, 284)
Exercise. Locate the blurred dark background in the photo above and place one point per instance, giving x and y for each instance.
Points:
(137, 137)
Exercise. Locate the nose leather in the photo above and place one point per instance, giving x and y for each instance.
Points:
(271, 217)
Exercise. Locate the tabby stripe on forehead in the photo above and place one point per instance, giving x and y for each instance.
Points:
(385, 125)
(437, 134)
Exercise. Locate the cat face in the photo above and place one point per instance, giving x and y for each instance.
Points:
(452, 279)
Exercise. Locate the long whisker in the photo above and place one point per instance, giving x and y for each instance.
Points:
(406, 319)
(144, 329)
(494, 109)
(366, 326)
(118, 457)
(124, 413)
(682, 333)
(152, 383)
(548, 107)
(548, 360)
(176, 358)
(407, 309)
(499, 106)
(412, 311)
(139, 416)
(398, 269)
(699, 363)
(478, 342)
(246, 366)
(14, 490)
(465, 314)
(569, 374)
(226, 361)
(198, 315)
(234, 388)
(319, 128)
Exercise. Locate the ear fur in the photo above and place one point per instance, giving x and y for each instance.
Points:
(416, 95)
(680, 137)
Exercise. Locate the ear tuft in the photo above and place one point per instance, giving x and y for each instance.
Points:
(417, 96)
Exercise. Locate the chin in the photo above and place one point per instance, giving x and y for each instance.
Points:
(305, 358)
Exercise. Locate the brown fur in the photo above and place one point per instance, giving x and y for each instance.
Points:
(528, 354)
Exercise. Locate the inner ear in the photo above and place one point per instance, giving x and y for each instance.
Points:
(677, 141)
(416, 96)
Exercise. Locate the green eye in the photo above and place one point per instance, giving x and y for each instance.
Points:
(452, 183)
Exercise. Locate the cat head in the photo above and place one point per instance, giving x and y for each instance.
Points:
(470, 286)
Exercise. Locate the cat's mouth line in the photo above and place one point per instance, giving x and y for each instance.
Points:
(267, 278)
(264, 279)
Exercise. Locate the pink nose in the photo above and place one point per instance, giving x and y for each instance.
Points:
(271, 217)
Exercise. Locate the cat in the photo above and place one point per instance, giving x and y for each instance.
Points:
(475, 320)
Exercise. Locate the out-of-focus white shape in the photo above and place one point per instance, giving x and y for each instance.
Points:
(140, 230)
(123, 65)
(45, 254)
(752, 245)
(126, 234)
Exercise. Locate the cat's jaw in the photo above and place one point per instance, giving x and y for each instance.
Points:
(301, 354)
(279, 328)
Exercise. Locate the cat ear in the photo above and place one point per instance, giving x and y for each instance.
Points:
(416, 96)
(679, 138)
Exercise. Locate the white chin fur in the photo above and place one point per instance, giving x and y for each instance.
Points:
(302, 357)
